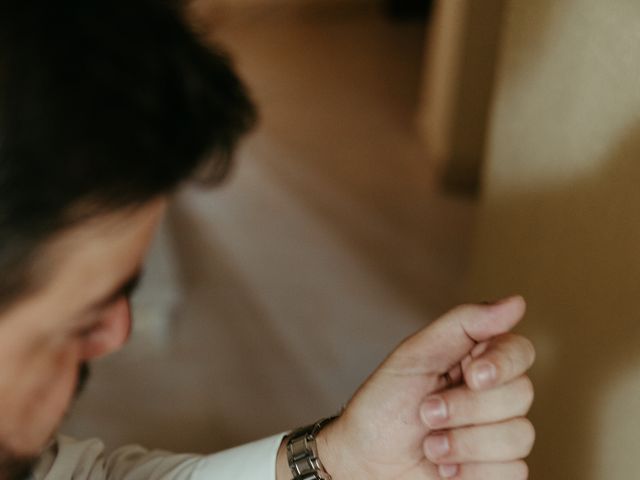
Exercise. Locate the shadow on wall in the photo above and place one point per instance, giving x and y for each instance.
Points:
(582, 275)
(531, 34)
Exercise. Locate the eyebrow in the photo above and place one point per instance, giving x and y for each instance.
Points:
(126, 287)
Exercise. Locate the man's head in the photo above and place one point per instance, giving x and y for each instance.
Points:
(105, 107)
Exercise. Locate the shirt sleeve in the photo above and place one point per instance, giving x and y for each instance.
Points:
(86, 460)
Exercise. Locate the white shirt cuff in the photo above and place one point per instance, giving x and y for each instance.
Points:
(253, 461)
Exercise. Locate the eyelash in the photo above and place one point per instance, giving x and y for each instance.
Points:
(129, 288)
(88, 330)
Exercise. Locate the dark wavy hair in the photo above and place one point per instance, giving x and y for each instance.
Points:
(104, 104)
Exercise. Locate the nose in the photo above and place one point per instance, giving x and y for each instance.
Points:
(112, 332)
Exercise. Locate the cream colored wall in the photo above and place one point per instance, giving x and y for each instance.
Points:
(560, 222)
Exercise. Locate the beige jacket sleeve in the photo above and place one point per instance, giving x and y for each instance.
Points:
(86, 460)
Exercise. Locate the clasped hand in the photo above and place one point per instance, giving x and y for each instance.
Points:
(449, 402)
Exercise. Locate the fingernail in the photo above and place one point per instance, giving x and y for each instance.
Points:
(448, 471)
(434, 411)
(436, 446)
(484, 374)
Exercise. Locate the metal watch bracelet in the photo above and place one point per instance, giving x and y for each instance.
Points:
(302, 452)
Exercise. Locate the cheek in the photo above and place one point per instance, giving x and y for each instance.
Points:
(37, 399)
(111, 334)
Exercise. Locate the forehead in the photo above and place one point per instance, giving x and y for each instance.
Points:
(103, 246)
(85, 261)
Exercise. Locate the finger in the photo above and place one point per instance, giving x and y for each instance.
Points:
(453, 377)
(499, 442)
(449, 339)
(505, 357)
(485, 471)
(462, 406)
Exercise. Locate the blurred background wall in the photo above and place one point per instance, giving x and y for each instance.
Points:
(559, 221)
(404, 162)
(461, 54)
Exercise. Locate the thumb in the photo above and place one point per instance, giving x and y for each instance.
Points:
(449, 339)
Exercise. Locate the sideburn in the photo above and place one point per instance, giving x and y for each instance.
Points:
(84, 373)
(15, 467)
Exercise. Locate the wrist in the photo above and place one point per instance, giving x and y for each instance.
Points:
(310, 452)
(328, 453)
(282, 465)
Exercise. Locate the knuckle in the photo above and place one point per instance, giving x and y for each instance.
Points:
(506, 366)
(531, 350)
(528, 392)
(527, 435)
(465, 310)
(466, 307)
(520, 470)
(522, 348)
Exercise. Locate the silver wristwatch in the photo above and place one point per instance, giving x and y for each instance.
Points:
(302, 452)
